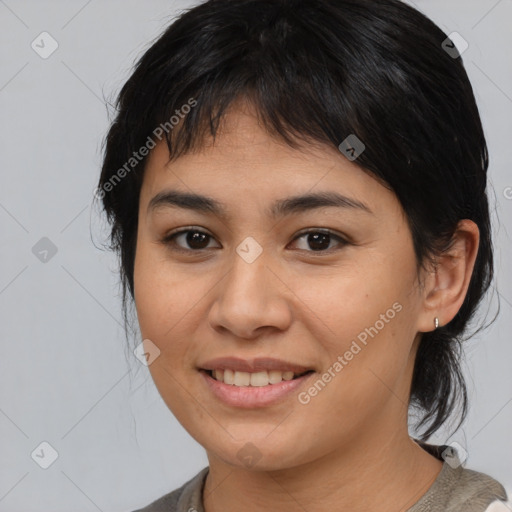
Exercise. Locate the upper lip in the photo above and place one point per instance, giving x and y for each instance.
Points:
(258, 364)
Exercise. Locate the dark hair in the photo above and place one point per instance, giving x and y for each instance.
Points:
(321, 70)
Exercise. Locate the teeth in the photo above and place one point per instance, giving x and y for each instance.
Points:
(257, 379)
(242, 379)
(274, 377)
(229, 376)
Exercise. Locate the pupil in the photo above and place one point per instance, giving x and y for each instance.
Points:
(318, 241)
(194, 239)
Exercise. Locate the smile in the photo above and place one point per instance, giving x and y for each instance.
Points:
(250, 383)
(255, 379)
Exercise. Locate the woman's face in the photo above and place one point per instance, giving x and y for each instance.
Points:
(255, 286)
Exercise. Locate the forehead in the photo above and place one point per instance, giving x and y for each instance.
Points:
(244, 162)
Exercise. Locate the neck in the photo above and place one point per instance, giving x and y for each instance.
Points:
(387, 472)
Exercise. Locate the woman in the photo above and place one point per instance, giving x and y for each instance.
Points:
(297, 192)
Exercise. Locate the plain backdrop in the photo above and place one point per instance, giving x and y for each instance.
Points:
(67, 377)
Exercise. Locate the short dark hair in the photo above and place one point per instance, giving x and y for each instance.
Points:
(321, 70)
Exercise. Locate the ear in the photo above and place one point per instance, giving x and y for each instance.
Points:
(446, 285)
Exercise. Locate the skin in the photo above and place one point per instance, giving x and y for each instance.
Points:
(349, 447)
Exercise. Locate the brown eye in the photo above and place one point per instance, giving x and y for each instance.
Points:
(191, 240)
(319, 241)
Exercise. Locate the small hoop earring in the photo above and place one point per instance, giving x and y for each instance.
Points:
(436, 322)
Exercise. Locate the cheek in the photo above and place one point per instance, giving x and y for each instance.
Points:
(169, 300)
(363, 314)
(167, 309)
(345, 300)
(159, 297)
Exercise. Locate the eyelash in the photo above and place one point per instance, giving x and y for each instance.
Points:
(169, 240)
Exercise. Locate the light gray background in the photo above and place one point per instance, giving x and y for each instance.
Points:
(67, 377)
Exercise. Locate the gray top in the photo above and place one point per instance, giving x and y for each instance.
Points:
(456, 489)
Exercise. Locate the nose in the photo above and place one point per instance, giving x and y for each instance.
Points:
(251, 299)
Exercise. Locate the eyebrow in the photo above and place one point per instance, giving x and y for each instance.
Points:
(280, 208)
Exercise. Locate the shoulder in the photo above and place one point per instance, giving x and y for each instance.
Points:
(477, 488)
(460, 490)
(182, 499)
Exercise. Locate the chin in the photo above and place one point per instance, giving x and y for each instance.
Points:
(258, 453)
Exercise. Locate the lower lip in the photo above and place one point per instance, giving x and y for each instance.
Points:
(249, 397)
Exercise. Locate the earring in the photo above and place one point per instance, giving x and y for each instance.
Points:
(436, 322)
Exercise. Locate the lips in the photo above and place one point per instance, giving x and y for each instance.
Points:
(253, 383)
(259, 396)
(259, 364)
